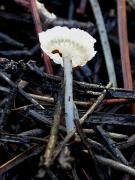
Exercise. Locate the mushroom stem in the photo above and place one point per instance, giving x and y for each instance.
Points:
(69, 105)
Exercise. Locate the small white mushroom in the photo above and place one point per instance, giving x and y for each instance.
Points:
(70, 48)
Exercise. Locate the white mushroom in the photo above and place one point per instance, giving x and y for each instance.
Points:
(70, 48)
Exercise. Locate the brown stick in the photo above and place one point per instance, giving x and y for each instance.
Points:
(54, 131)
(94, 106)
(38, 27)
(123, 38)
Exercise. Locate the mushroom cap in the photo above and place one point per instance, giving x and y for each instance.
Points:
(61, 43)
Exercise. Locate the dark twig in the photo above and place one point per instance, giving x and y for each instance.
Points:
(6, 39)
(97, 147)
(111, 134)
(39, 118)
(116, 165)
(111, 119)
(22, 92)
(88, 26)
(8, 107)
(20, 53)
(112, 92)
(111, 145)
(15, 18)
(132, 163)
(87, 145)
(32, 132)
(21, 139)
(32, 151)
(15, 53)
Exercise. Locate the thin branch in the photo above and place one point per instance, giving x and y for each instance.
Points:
(104, 41)
(38, 27)
(32, 151)
(88, 146)
(97, 102)
(21, 91)
(110, 144)
(124, 49)
(116, 165)
(54, 131)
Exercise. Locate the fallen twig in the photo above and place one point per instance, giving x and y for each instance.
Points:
(116, 165)
(22, 92)
(111, 145)
(123, 38)
(94, 106)
(32, 151)
(38, 30)
(54, 130)
(88, 146)
(104, 41)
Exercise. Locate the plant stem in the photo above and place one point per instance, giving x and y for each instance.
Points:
(69, 112)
